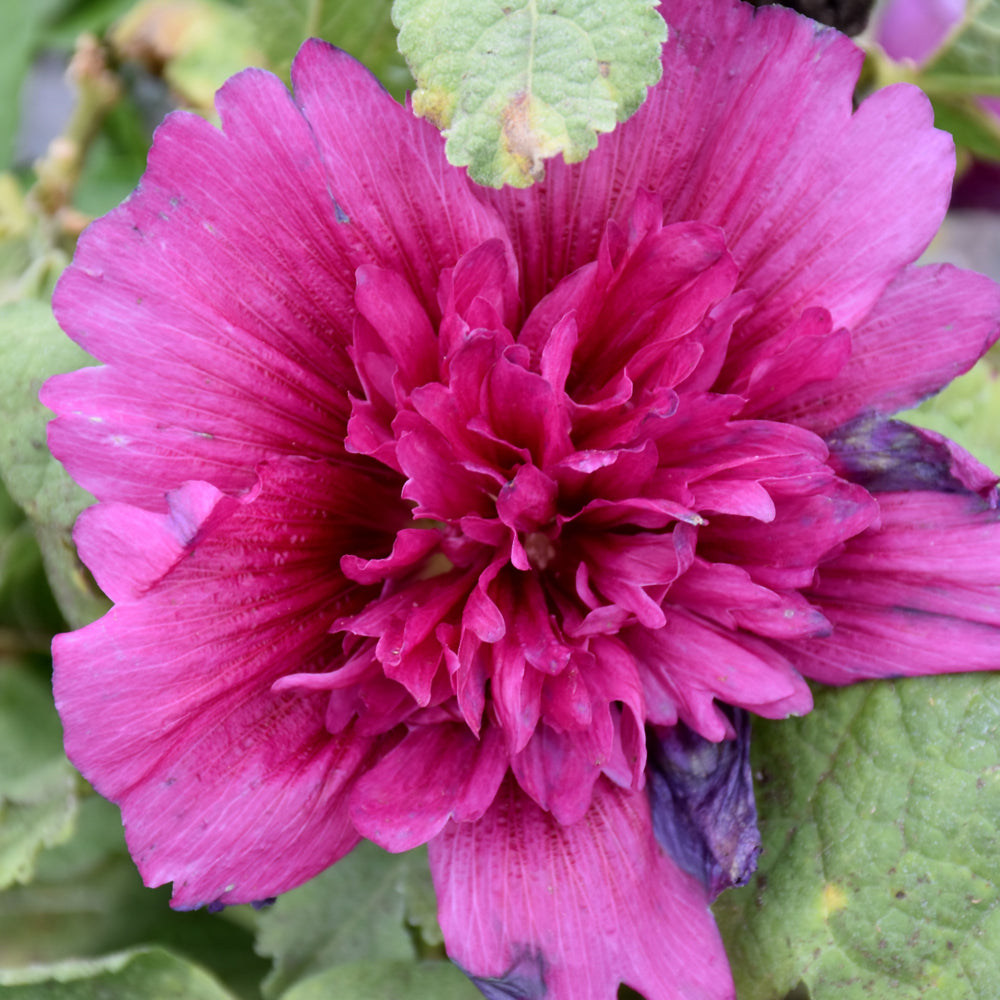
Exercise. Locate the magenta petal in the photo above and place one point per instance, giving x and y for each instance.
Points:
(220, 364)
(751, 130)
(692, 662)
(914, 29)
(388, 302)
(558, 769)
(932, 324)
(228, 789)
(915, 596)
(106, 536)
(436, 773)
(387, 172)
(532, 908)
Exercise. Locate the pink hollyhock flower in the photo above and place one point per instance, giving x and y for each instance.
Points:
(479, 519)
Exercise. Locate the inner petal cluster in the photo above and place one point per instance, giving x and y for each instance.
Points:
(593, 510)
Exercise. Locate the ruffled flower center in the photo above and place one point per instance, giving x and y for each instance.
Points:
(569, 465)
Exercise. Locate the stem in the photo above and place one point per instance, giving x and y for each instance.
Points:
(59, 170)
(313, 18)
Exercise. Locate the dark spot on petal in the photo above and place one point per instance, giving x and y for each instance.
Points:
(524, 980)
(263, 904)
(890, 456)
(217, 906)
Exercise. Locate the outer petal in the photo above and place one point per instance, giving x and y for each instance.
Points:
(409, 209)
(756, 136)
(703, 805)
(932, 324)
(920, 595)
(228, 789)
(221, 294)
(530, 908)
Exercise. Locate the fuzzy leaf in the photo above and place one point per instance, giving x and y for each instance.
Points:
(514, 84)
(33, 347)
(37, 785)
(969, 61)
(146, 972)
(377, 980)
(419, 899)
(361, 27)
(880, 877)
(87, 899)
(358, 909)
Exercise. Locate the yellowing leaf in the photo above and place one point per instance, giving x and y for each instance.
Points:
(517, 83)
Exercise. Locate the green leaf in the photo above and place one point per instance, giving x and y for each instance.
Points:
(115, 160)
(972, 125)
(967, 411)
(33, 347)
(37, 785)
(361, 27)
(969, 60)
(517, 83)
(380, 980)
(420, 901)
(146, 972)
(880, 813)
(355, 910)
(87, 899)
(20, 27)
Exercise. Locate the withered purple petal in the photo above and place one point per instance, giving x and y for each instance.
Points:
(703, 806)
(524, 980)
(890, 456)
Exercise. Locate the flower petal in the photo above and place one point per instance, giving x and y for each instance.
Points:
(230, 790)
(917, 595)
(530, 908)
(437, 772)
(751, 130)
(930, 325)
(691, 662)
(220, 293)
(913, 29)
(406, 208)
(704, 812)
(890, 456)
